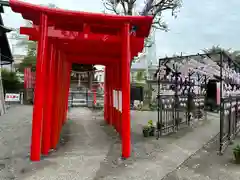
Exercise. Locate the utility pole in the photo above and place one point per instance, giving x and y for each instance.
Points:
(2, 101)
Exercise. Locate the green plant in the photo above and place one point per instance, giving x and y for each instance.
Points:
(236, 152)
(146, 131)
(151, 128)
(10, 81)
(150, 123)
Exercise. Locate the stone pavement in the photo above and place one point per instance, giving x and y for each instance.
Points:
(90, 150)
(15, 131)
(206, 164)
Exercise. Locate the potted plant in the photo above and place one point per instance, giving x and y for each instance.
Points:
(146, 131)
(151, 128)
(236, 152)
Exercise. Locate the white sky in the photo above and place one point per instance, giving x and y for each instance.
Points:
(200, 24)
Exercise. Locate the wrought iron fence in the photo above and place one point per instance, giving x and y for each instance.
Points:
(181, 107)
(230, 121)
(229, 101)
(181, 93)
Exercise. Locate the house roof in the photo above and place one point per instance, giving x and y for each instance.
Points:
(6, 55)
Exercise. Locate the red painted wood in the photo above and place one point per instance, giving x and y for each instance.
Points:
(37, 122)
(46, 107)
(54, 130)
(126, 125)
(85, 38)
(70, 43)
(69, 68)
(72, 20)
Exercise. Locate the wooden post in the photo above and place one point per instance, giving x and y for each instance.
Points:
(48, 102)
(55, 120)
(126, 128)
(105, 95)
(110, 96)
(60, 90)
(69, 68)
(39, 92)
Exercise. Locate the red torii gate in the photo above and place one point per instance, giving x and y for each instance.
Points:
(65, 37)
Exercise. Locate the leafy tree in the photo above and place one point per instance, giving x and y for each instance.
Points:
(28, 61)
(30, 58)
(235, 55)
(216, 49)
(140, 76)
(11, 82)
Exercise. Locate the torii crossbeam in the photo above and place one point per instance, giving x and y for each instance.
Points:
(66, 37)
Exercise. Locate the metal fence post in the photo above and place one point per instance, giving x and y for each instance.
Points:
(221, 106)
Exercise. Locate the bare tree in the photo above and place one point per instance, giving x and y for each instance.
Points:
(151, 7)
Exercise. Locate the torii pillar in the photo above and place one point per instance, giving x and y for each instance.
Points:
(126, 124)
(60, 45)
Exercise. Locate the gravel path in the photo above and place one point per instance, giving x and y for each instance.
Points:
(90, 149)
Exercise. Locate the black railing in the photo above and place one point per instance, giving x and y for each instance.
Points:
(229, 104)
(181, 95)
(230, 121)
(179, 108)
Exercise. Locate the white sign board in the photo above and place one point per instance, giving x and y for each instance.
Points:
(12, 97)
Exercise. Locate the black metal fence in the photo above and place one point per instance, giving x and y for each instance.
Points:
(229, 103)
(182, 85)
(230, 121)
(181, 106)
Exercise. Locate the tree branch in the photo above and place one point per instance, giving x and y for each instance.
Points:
(156, 10)
(124, 7)
(110, 5)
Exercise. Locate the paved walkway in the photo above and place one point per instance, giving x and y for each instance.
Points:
(207, 165)
(15, 131)
(90, 150)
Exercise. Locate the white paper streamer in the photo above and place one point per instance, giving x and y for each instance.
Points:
(120, 100)
(117, 100)
(114, 98)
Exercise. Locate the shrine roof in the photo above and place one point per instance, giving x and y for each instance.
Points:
(73, 20)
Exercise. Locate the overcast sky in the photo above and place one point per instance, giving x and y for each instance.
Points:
(200, 24)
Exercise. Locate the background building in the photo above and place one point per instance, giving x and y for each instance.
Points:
(18, 59)
(147, 60)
